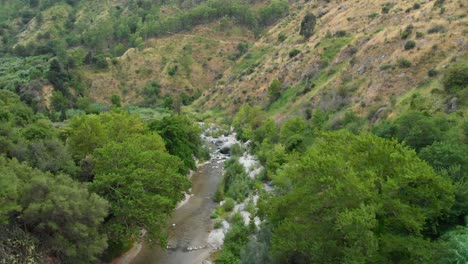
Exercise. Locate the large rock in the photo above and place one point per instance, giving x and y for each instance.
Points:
(225, 150)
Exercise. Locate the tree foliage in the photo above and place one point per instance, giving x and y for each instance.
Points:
(308, 25)
(58, 211)
(356, 199)
(142, 183)
(182, 138)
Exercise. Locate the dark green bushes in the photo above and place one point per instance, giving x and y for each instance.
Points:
(293, 53)
(456, 77)
(308, 25)
(410, 44)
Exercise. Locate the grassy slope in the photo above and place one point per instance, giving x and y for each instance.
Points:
(352, 78)
(200, 56)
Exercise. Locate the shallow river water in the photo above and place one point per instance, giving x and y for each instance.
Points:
(192, 221)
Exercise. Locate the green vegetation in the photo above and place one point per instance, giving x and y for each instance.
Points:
(312, 214)
(308, 25)
(353, 207)
(81, 179)
(73, 201)
(404, 63)
(332, 46)
(407, 32)
(274, 91)
(410, 44)
(456, 77)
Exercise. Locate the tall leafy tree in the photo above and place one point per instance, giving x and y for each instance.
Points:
(142, 183)
(356, 199)
(182, 138)
(58, 211)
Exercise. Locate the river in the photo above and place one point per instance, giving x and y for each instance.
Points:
(190, 224)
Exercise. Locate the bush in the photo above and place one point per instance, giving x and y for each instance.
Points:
(436, 29)
(219, 194)
(404, 63)
(373, 15)
(308, 25)
(410, 45)
(432, 73)
(341, 34)
(293, 53)
(173, 70)
(282, 37)
(274, 91)
(387, 66)
(100, 61)
(115, 100)
(456, 77)
(218, 224)
(408, 30)
(439, 3)
(229, 205)
(387, 7)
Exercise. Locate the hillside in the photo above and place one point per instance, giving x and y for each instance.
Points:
(356, 60)
(233, 131)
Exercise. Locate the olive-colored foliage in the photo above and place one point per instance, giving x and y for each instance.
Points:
(58, 211)
(272, 156)
(247, 120)
(416, 129)
(293, 134)
(274, 91)
(447, 154)
(356, 199)
(456, 77)
(30, 137)
(182, 138)
(86, 133)
(235, 241)
(142, 183)
(236, 183)
(308, 25)
(8, 192)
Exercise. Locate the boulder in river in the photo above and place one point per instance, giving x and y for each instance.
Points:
(225, 150)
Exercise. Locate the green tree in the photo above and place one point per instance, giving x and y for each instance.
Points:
(86, 133)
(247, 120)
(60, 104)
(115, 100)
(182, 138)
(308, 25)
(293, 134)
(274, 91)
(356, 199)
(142, 183)
(58, 211)
(57, 76)
(456, 77)
(417, 130)
(8, 191)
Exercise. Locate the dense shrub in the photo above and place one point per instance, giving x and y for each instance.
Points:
(456, 77)
(436, 29)
(293, 53)
(410, 44)
(404, 63)
(308, 25)
(408, 30)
